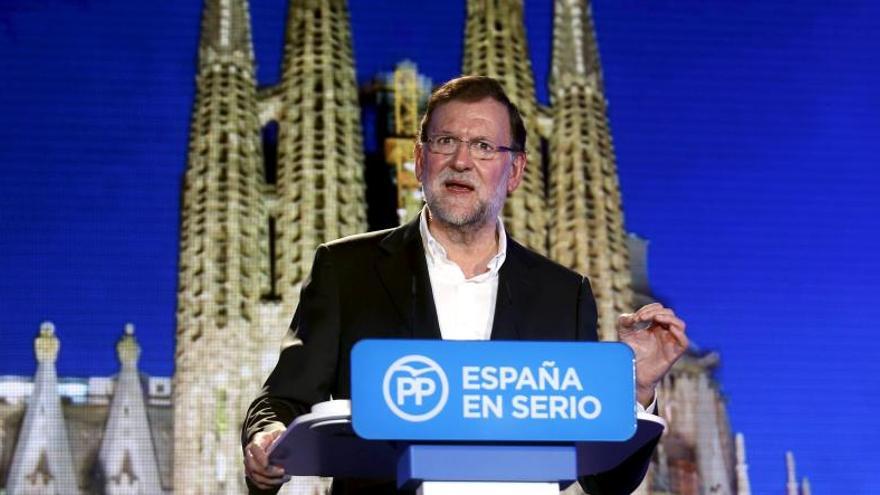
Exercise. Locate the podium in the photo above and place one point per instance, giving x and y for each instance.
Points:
(444, 443)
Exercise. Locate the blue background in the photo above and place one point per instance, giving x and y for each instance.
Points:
(746, 135)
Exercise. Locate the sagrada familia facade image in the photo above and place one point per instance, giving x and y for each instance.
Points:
(272, 172)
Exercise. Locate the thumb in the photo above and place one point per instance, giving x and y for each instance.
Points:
(273, 435)
(626, 320)
(268, 438)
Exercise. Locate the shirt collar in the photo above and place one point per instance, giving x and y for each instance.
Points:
(435, 253)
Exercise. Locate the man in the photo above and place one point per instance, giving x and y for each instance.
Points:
(453, 273)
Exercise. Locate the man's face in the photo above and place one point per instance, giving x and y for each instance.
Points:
(461, 190)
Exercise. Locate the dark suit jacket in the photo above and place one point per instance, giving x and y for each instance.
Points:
(376, 285)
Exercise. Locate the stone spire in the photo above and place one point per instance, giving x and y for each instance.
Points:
(127, 458)
(791, 485)
(805, 487)
(710, 459)
(225, 32)
(42, 462)
(743, 487)
(575, 51)
(495, 46)
(223, 266)
(586, 228)
(320, 145)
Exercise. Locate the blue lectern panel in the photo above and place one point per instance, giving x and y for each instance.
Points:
(492, 391)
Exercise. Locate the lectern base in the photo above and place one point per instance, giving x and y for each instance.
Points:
(530, 464)
(486, 488)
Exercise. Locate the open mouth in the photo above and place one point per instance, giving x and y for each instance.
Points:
(458, 186)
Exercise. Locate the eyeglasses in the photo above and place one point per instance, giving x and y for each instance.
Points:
(478, 148)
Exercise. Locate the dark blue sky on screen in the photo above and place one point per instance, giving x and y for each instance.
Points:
(746, 135)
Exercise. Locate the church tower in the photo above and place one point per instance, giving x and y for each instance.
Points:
(714, 472)
(223, 259)
(791, 484)
(250, 224)
(127, 457)
(743, 485)
(495, 46)
(586, 231)
(42, 462)
(320, 190)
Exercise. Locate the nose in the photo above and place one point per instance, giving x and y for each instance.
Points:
(462, 159)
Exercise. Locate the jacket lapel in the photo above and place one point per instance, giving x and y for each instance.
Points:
(514, 294)
(404, 275)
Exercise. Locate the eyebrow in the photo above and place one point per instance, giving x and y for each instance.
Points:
(444, 132)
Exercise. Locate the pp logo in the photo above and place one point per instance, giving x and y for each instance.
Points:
(415, 388)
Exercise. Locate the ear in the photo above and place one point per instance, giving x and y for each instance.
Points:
(419, 157)
(518, 168)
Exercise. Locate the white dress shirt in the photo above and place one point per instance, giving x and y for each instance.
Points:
(465, 306)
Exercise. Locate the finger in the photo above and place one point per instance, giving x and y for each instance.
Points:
(642, 321)
(251, 476)
(269, 481)
(626, 317)
(680, 337)
(251, 466)
(625, 322)
(656, 317)
(273, 475)
(255, 454)
(271, 471)
(259, 447)
(648, 308)
(648, 313)
(677, 340)
(265, 440)
(676, 327)
(670, 320)
(265, 482)
(263, 473)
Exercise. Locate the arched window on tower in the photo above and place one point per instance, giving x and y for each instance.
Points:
(271, 289)
(545, 163)
(270, 152)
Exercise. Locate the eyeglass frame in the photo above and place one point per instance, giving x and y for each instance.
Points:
(430, 142)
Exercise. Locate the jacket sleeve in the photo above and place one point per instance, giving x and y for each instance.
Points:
(306, 369)
(626, 476)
